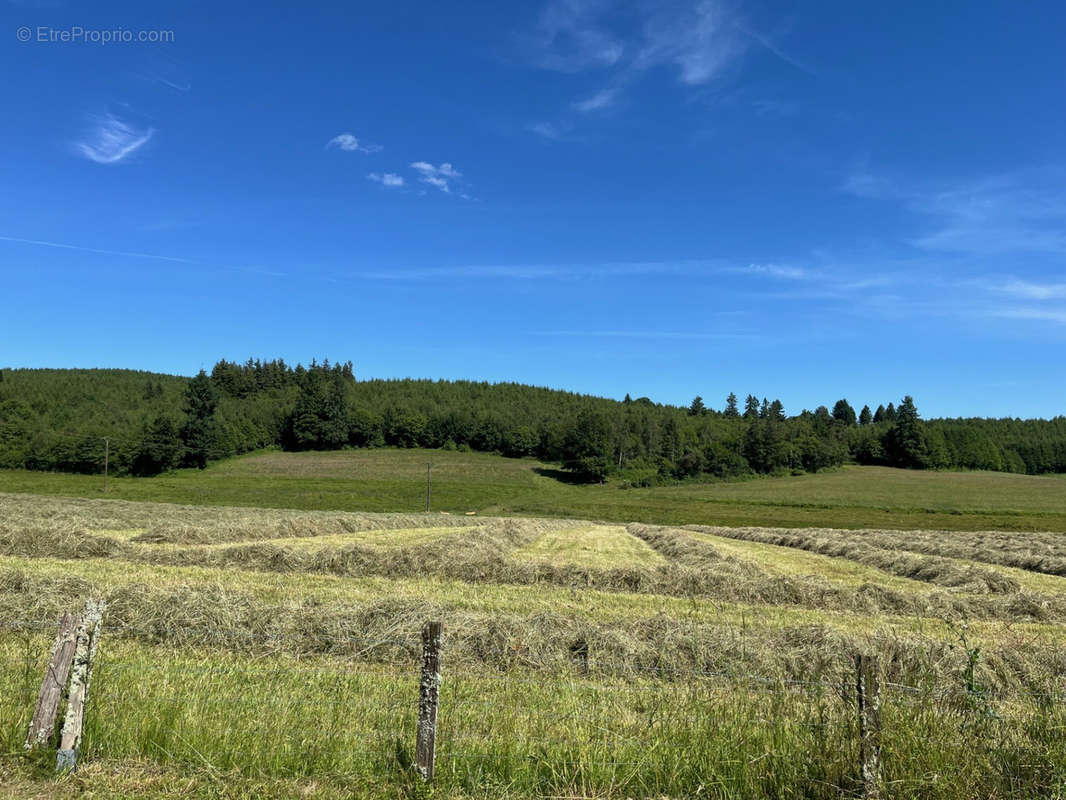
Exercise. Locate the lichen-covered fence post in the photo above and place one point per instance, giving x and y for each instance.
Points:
(428, 697)
(88, 638)
(43, 724)
(868, 692)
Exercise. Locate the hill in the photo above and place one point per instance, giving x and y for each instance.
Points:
(59, 420)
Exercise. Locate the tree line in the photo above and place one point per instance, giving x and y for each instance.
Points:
(57, 420)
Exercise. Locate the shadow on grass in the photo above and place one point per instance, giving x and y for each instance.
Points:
(561, 475)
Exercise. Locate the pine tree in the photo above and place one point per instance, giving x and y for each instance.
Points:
(890, 413)
(879, 415)
(731, 406)
(843, 412)
(320, 419)
(865, 418)
(751, 407)
(907, 444)
(199, 433)
(696, 408)
(588, 446)
(159, 449)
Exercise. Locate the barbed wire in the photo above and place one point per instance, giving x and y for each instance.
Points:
(585, 685)
(592, 678)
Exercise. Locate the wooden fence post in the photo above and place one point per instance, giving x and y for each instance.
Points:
(868, 692)
(84, 651)
(428, 697)
(43, 724)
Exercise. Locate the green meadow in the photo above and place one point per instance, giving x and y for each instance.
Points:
(394, 480)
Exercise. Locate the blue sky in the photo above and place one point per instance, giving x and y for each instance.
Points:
(662, 198)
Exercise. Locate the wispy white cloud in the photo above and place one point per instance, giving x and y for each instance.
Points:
(700, 39)
(602, 99)
(1057, 315)
(863, 183)
(349, 143)
(440, 176)
(697, 39)
(386, 179)
(644, 334)
(775, 109)
(1030, 290)
(692, 268)
(113, 140)
(534, 272)
(759, 276)
(1021, 212)
(571, 36)
(782, 271)
(547, 130)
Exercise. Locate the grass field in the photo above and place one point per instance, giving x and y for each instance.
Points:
(257, 652)
(394, 481)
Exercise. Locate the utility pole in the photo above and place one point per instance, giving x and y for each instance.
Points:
(427, 487)
(107, 459)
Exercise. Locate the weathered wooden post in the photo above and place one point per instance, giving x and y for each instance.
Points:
(81, 671)
(43, 724)
(868, 692)
(428, 698)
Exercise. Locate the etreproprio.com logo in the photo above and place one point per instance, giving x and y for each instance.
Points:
(76, 34)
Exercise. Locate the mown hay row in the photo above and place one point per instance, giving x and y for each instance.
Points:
(483, 555)
(56, 542)
(748, 583)
(1034, 552)
(294, 528)
(177, 524)
(851, 545)
(480, 555)
(387, 631)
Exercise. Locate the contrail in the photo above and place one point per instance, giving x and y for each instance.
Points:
(62, 246)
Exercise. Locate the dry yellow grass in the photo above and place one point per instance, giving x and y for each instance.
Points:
(121, 534)
(590, 546)
(378, 537)
(106, 576)
(1033, 581)
(780, 560)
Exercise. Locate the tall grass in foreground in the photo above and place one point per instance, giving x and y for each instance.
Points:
(523, 734)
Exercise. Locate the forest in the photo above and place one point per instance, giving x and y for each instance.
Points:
(146, 423)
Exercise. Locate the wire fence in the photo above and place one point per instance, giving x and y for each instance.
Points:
(572, 737)
(607, 676)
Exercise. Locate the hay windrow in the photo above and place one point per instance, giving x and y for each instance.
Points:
(853, 546)
(482, 552)
(387, 632)
(748, 583)
(64, 541)
(1034, 552)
